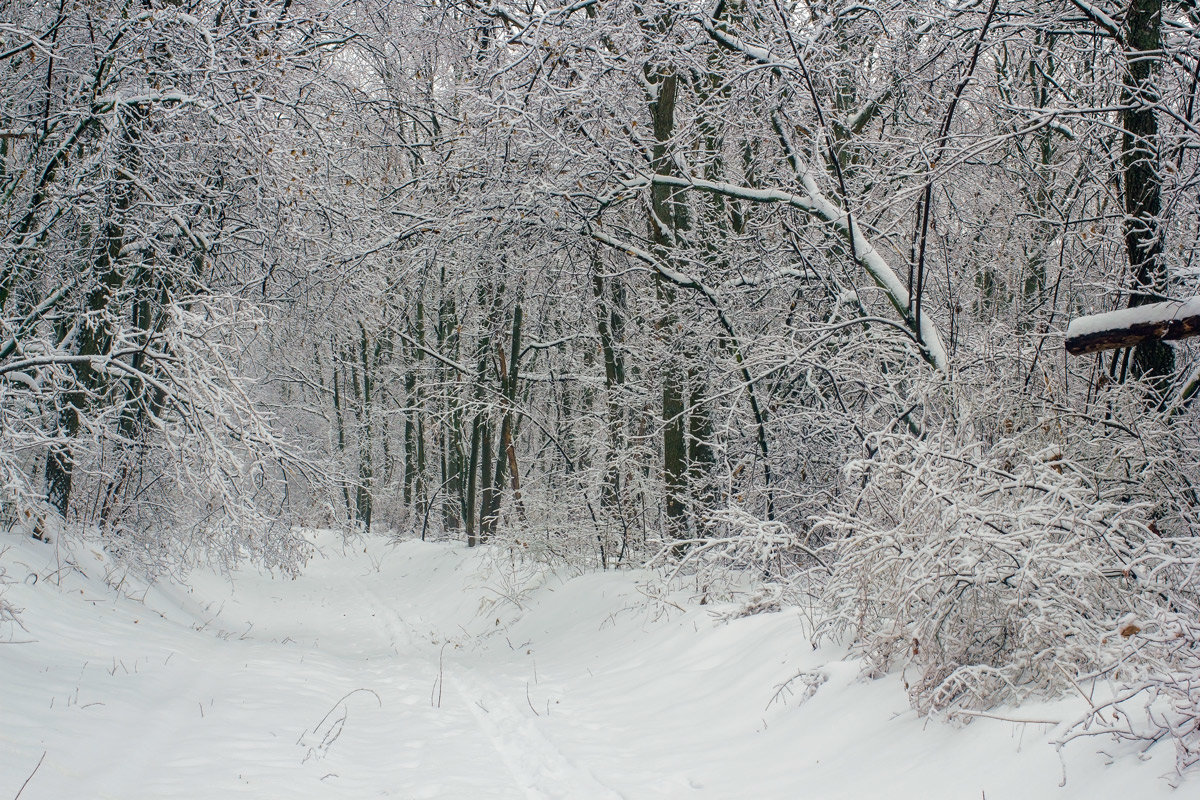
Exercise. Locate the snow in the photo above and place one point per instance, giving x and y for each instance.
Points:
(1126, 318)
(427, 670)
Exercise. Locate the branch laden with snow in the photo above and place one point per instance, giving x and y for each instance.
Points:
(1170, 321)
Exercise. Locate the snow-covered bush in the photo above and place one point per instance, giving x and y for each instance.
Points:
(200, 472)
(1154, 687)
(1153, 682)
(742, 558)
(986, 571)
(210, 480)
(8, 613)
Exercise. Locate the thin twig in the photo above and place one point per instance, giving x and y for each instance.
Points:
(1002, 718)
(27, 780)
(529, 700)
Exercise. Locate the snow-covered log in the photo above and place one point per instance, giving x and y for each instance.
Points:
(1173, 319)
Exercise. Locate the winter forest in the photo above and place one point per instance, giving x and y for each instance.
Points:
(767, 300)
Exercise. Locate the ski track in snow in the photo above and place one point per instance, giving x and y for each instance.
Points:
(539, 767)
(535, 764)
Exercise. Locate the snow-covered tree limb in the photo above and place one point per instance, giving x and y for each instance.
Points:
(868, 257)
(1171, 320)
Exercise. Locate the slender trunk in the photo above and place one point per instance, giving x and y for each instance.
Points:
(414, 436)
(339, 418)
(489, 502)
(510, 396)
(452, 438)
(479, 467)
(610, 324)
(700, 454)
(1153, 359)
(478, 431)
(668, 218)
(366, 472)
(506, 459)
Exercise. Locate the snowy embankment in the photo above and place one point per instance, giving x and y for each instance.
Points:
(430, 671)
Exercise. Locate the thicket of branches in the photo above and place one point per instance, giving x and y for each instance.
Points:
(776, 289)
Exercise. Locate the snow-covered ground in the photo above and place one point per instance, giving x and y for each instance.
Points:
(426, 670)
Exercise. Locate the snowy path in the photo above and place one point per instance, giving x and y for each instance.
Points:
(319, 690)
(427, 671)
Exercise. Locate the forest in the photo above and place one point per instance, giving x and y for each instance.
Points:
(770, 296)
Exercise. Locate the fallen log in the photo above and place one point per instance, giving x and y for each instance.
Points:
(1126, 327)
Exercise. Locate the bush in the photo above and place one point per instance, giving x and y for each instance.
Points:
(987, 571)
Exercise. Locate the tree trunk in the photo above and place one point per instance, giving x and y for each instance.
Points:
(668, 218)
(94, 337)
(1152, 359)
(610, 325)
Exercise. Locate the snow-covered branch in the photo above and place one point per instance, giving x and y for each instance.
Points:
(868, 257)
(1170, 321)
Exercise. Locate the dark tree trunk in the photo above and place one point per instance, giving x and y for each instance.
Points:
(1152, 359)
(668, 217)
